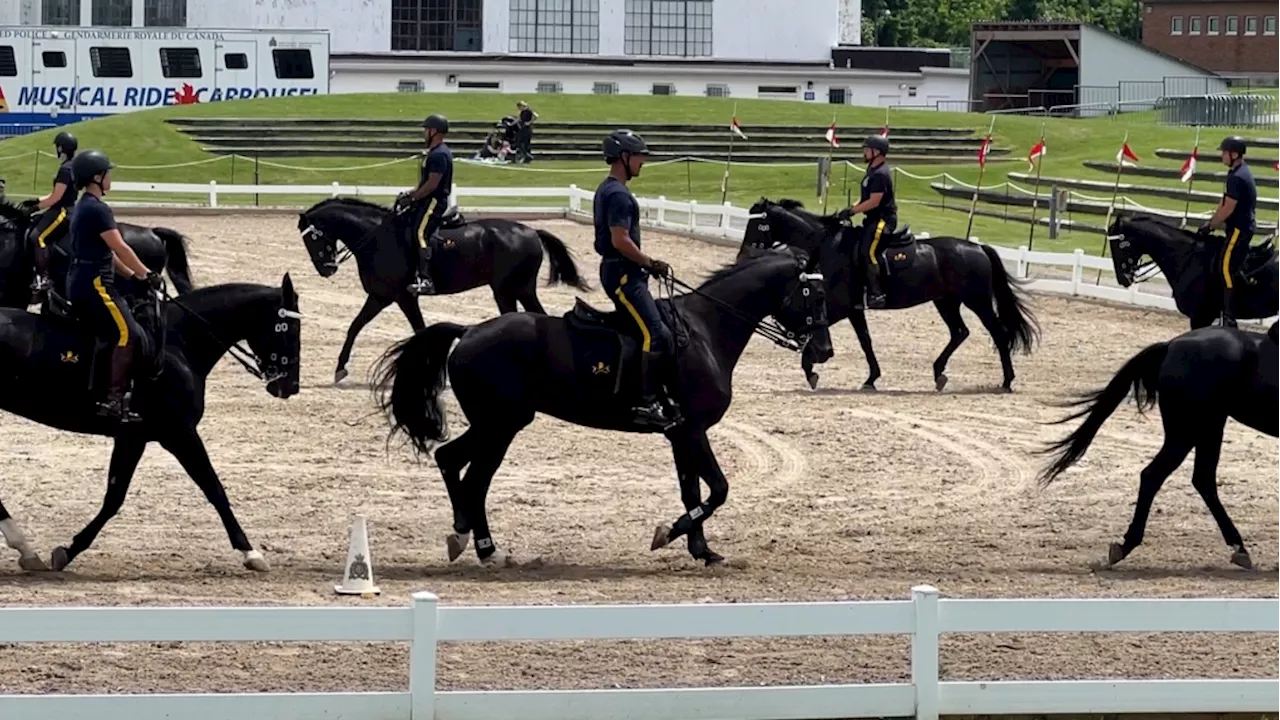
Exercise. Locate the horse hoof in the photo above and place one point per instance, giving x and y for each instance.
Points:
(499, 559)
(59, 558)
(339, 375)
(813, 380)
(1115, 554)
(868, 386)
(712, 558)
(32, 563)
(940, 381)
(1241, 558)
(661, 537)
(254, 561)
(456, 543)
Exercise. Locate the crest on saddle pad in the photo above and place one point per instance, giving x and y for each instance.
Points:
(603, 351)
(898, 251)
(69, 356)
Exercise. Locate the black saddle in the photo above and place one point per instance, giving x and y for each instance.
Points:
(1259, 256)
(80, 339)
(897, 250)
(452, 219)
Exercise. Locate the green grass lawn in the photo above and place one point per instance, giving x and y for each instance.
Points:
(142, 140)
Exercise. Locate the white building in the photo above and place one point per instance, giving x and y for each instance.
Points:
(802, 30)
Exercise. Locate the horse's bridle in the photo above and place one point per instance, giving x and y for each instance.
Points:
(768, 328)
(1139, 272)
(276, 366)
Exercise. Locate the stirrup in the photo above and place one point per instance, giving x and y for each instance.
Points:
(652, 415)
(423, 286)
(876, 302)
(118, 410)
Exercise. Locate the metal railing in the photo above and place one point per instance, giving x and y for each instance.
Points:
(1228, 110)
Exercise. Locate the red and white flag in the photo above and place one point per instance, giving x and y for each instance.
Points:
(884, 132)
(983, 150)
(1189, 165)
(1126, 152)
(736, 128)
(831, 136)
(1037, 151)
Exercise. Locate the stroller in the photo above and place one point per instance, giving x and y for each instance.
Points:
(496, 146)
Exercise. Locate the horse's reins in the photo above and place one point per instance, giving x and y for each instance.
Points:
(349, 249)
(252, 363)
(769, 329)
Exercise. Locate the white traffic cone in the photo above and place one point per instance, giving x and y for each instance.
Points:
(357, 578)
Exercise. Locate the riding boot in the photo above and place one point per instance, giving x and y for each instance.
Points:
(424, 285)
(1228, 309)
(116, 404)
(671, 382)
(41, 283)
(875, 296)
(649, 411)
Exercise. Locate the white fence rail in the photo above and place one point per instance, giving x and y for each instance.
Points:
(706, 220)
(426, 624)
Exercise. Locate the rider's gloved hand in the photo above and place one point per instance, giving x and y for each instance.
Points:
(658, 268)
(844, 214)
(30, 205)
(1205, 229)
(154, 281)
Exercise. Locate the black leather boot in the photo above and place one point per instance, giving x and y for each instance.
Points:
(649, 412)
(1228, 309)
(116, 405)
(875, 296)
(670, 382)
(424, 285)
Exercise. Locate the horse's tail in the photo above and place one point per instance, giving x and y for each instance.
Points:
(1141, 375)
(563, 269)
(408, 380)
(175, 246)
(1016, 319)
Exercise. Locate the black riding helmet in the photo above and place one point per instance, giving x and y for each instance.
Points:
(623, 141)
(876, 142)
(66, 143)
(88, 164)
(439, 123)
(1235, 144)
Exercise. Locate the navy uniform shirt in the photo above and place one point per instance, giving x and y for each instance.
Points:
(439, 159)
(1241, 188)
(65, 177)
(89, 220)
(526, 116)
(615, 206)
(880, 180)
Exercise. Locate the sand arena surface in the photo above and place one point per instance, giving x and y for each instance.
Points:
(833, 494)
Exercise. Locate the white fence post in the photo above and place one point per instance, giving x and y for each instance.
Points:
(924, 651)
(336, 188)
(213, 193)
(725, 217)
(1077, 270)
(1022, 262)
(661, 220)
(575, 199)
(422, 658)
(693, 214)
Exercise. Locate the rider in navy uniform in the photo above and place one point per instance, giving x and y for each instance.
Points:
(427, 204)
(880, 214)
(97, 253)
(57, 206)
(625, 270)
(1235, 213)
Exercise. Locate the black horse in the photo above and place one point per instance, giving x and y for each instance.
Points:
(49, 374)
(158, 248)
(1190, 263)
(503, 254)
(1200, 379)
(948, 271)
(581, 368)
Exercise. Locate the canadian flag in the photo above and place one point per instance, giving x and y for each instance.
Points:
(1126, 152)
(1037, 151)
(1189, 166)
(983, 150)
(831, 136)
(736, 128)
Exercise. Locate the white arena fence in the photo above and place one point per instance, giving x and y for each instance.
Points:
(713, 222)
(425, 624)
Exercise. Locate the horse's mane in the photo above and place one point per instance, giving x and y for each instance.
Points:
(732, 269)
(225, 294)
(348, 201)
(10, 211)
(790, 204)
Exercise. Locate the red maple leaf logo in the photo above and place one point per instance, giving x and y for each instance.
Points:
(187, 96)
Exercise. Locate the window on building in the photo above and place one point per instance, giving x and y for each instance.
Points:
(1251, 25)
(717, 90)
(1269, 26)
(60, 12)
(116, 13)
(1233, 24)
(1175, 25)
(53, 59)
(668, 27)
(164, 13)
(549, 87)
(1213, 25)
(8, 62)
(236, 61)
(439, 25)
(1195, 24)
(180, 62)
(293, 64)
(555, 26)
(111, 62)
(605, 88)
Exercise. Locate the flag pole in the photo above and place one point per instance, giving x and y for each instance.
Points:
(1115, 192)
(1191, 181)
(1035, 198)
(982, 170)
(728, 160)
(831, 151)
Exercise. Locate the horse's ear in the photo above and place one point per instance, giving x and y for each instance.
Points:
(287, 293)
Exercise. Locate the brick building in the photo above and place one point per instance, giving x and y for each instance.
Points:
(1232, 37)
